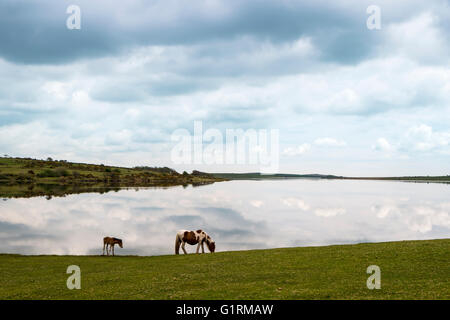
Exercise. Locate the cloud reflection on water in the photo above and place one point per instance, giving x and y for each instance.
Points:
(238, 215)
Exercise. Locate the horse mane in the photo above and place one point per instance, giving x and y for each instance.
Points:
(117, 239)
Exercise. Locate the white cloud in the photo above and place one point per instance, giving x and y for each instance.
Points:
(423, 138)
(256, 203)
(299, 150)
(382, 144)
(329, 212)
(294, 202)
(419, 38)
(383, 211)
(421, 218)
(330, 142)
(417, 139)
(56, 89)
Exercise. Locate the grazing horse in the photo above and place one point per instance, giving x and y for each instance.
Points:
(109, 241)
(193, 237)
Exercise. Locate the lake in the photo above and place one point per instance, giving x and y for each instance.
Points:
(237, 214)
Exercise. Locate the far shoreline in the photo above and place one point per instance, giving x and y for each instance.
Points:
(289, 176)
(28, 177)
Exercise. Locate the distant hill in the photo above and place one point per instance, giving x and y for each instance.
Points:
(258, 175)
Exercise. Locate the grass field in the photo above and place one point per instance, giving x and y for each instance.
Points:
(409, 270)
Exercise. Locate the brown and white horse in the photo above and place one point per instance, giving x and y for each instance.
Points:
(193, 237)
(109, 241)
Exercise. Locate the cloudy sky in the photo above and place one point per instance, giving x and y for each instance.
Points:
(345, 99)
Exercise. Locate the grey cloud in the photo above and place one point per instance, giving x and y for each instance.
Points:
(144, 69)
(35, 31)
(209, 217)
(147, 209)
(12, 232)
(233, 217)
(184, 220)
(140, 89)
(10, 116)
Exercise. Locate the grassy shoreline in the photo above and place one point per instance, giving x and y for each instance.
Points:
(26, 177)
(409, 270)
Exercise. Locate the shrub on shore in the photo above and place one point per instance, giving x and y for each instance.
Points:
(49, 173)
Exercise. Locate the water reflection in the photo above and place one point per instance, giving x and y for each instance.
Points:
(50, 190)
(237, 214)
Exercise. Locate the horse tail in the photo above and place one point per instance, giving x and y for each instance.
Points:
(177, 244)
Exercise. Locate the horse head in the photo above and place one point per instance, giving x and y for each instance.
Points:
(119, 242)
(211, 244)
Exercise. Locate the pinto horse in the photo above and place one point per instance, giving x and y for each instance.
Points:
(193, 237)
(109, 241)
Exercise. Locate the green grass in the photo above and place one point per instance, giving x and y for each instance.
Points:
(409, 270)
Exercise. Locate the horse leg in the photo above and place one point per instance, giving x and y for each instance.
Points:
(177, 244)
(107, 249)
(198, 247)
(103, 248)
(113, 249)
(203, 247)
(182, 247)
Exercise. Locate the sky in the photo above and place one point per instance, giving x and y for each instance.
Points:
(344, 99)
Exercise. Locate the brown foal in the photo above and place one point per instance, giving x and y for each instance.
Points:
(110, 241)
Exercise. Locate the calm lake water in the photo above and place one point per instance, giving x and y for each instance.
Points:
(237, 214)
